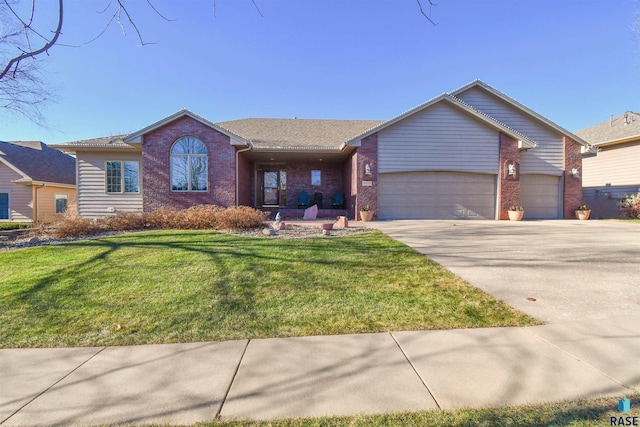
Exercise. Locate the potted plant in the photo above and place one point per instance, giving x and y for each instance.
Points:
(366, 214)
(516, 213)
(583, 212)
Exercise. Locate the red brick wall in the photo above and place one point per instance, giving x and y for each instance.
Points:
(245, 179)
(508, 186)
(367, 153)
(155, 166)
(299, 178)
(572, 186)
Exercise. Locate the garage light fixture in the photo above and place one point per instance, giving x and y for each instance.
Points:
(512, 169)
(575, 173)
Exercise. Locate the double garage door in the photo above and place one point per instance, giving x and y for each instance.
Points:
(458, 195)
(436, 195)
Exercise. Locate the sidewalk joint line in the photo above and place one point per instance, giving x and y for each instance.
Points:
(573, 356)
(416, 371)
(233, 378)
(53, 385)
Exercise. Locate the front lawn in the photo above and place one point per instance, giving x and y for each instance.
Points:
(186, 286)
(14, 225)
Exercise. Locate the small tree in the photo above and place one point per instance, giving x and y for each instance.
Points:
(630, 205)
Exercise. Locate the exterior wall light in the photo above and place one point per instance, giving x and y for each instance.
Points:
(512, 169)
(575, 173)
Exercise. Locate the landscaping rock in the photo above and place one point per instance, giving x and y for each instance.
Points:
(33, 240)
(311, 213)
(268, 232)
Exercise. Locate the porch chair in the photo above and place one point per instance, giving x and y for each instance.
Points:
(303, 200)
(317, 199)
(338, 200)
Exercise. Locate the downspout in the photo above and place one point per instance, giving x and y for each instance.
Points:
(237, 178)
(35, 201)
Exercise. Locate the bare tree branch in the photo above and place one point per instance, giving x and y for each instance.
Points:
(31, 54)
(431, 4)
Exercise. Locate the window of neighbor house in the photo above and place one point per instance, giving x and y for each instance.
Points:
(122, 176)
(189, 165)
(62, 201)
(4, 206)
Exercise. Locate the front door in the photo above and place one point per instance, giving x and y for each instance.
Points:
(274, 185)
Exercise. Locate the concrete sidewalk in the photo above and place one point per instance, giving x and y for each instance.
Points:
(322, 375)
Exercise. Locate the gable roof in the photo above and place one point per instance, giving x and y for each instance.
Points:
(482, 85)
(300, 134)
(107, 142)
(136, 137)
(524, 142)
(623, 128)
(36, 162)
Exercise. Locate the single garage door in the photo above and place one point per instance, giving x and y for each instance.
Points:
(540, 195)
(436, 195)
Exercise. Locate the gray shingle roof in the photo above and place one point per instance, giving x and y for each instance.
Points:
(298, 133)
(104, 142)
(39, 162)
(618, 128)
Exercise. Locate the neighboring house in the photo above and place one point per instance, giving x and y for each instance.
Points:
(470, 154)
(614, 171)
(36, 182)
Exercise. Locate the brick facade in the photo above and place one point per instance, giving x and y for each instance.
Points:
(156, 182)
(508, 185)
(572, 196)
(299, 179)
(366, 157)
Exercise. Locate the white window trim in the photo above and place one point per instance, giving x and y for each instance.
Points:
(122, 186)
(55, 199)
(171, 156)
(8, 192)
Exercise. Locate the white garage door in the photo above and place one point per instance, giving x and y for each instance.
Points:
(540, 195)
(436, 195)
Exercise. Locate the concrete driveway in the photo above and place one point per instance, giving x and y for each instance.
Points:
(575, 270)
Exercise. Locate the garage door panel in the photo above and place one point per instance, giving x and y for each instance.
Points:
(540, 196)
(436, 195)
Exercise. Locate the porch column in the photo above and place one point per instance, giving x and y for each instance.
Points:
(572, 191)
(366, 175)
(508, 176)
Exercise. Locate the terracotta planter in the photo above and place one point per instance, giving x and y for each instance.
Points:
(583, 215)
(515, 215)
(366, 215)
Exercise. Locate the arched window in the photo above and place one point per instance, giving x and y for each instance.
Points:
(189, 165)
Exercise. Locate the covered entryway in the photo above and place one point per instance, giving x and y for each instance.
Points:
(436, 195)
(540, 196)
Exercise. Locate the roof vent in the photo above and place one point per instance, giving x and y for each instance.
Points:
(626, 119)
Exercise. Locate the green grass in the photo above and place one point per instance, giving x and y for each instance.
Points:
(14, 225)
(636, 220)
(186, 286)
(585, 413)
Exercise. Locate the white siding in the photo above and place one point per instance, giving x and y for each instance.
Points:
(548, 157)
(617, 165)
(439, 138)
(20, 203)
(92, 198)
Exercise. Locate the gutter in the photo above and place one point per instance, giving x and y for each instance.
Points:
(35, 200)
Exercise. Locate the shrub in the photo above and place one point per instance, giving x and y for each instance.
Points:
(79, 227)
(240, 218)
(125, 221)
(197, 217)
(630, 205)
(161, 218)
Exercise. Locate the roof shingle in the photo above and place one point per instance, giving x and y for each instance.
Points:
(623, 127)
(39, 162)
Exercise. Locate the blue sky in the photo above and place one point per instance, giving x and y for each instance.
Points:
(573, 61)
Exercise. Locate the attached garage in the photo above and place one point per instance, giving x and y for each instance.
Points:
(436, 195)
(540, 196)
